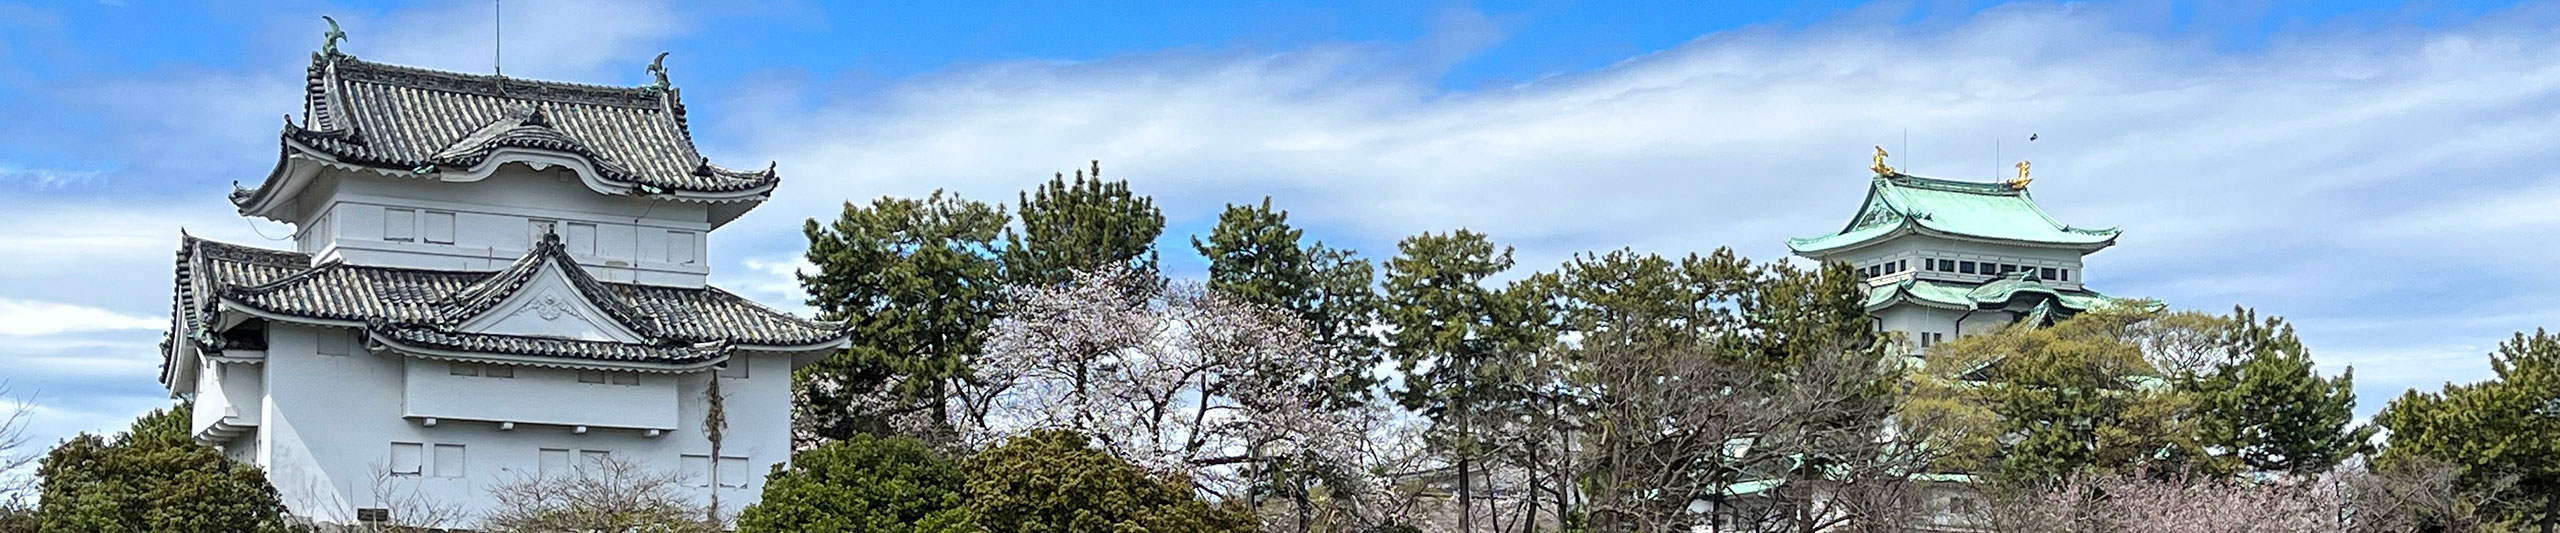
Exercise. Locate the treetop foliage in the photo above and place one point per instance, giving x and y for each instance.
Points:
(155, 478)
(1075, 226)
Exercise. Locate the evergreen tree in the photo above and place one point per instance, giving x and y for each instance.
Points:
(2267, 407)
(2079, 398)
(864, 484)
(917, 283)
(2503, 434)
(1447, 329)
(153, 478)
(1070, 227)
(1254, 255)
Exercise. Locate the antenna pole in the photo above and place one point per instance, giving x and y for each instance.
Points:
(498, 53)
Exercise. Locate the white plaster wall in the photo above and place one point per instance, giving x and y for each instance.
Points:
(332, 420)
(1913, 248)
(228, 392)
(619, 238)
(539, 395)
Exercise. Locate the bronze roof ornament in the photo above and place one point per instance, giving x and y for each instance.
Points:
(329, 41)
(658, 67)
(2022, 180)
(1881, 168)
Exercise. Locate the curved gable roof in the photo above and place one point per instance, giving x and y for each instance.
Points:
(406, 119)
(1899, 203)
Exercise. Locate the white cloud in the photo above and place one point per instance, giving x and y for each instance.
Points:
(28, 317)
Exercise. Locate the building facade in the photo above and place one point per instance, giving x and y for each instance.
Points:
(492, 280)
(1946, 258)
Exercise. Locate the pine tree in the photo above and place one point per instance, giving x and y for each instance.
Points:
(1256, 256)
(2080, 398)
(1071, 227)
(1443, 316)
(2503, 434)
(2267, 407)
(916, 282)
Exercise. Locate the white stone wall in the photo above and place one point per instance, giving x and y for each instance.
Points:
(331, 423)
(370, 219)
(1912, 248)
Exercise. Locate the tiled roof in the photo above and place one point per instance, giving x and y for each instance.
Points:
(1993, 294)
(391, 301)
(406, 119)
(428, 337)
(1991, 211)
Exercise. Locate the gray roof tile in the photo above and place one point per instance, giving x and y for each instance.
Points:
(403, 118)
(394, 301)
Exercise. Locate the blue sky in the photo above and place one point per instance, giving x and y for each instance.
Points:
(2377, 172)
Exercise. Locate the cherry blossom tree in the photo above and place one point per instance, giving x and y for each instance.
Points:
(1178, 379)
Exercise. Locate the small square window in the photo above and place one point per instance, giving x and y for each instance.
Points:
(2066, 274)
(2046, 273)
(733, 472)
(623, 378)
(581, 238)
(335, 342)
(680, 247)
(406, 458)
(498, 371)
(554, 462)
(2008, 269)
(591, 376)
(439, 227)
(1965, 267)
(696, 470)
(463, 369)
(399, 225)
(449, 460)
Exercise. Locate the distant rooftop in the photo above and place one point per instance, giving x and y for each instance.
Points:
(411, 120)
(1897, 204)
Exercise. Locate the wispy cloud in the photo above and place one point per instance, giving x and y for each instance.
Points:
(27, 317)
(45, 178)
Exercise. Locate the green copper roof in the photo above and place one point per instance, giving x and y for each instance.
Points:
(1991, 211)
(1996, 293)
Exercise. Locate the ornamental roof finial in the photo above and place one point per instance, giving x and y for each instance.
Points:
(2022, 180)
(329, 41)
(658, 67)
(1881, 168)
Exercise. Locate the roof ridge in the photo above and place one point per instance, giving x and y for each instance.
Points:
(1949, 185)
(350, 69)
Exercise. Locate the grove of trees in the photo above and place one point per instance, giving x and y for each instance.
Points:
(1032, 368)
(1445, 388)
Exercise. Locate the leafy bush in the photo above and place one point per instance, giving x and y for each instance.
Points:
(1055, 482)
(865, 483)
(152, 478)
